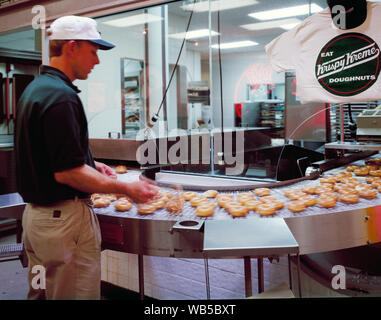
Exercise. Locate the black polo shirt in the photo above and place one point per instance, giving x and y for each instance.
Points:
(50, 136)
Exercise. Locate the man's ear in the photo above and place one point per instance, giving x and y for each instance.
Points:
(70, 45)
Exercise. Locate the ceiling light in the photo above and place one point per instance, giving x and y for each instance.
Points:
(195, 34)
(282, 23)
(237, 44)
(133, 20)
(218, 5)
(286, 12)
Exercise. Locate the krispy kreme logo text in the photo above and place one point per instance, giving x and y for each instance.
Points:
(348, 64)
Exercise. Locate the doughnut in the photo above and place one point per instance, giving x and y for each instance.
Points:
(95, 196)
(308, 201)
(157, 203)
(328, 180)
(330, 195)
(101, 203)
(268, 199)
(189, 195)
(225, 202)
(175, 205)
(296, 206)
(121, 169)
(323, 189)
(379, 188)
(375, 173)
(371, 167)
(145, 208)
(352, 168)
(238, 210)
(110, 196)
(224, 195)
(293, 194)
(196, 201)
(266, 209)
(363, 171)
(244, 199)
(347, 190)
(349, 198)
(308, 189)
(326, 201)
(123, 205)
(205, 210)
(368, 193)
(261, 192)
(245, 195)
(252, 204)
(210, 193)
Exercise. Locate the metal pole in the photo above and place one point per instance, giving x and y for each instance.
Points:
(141, 276)
(261, 284)
(299, 282)
(207, 284)
(247, 268)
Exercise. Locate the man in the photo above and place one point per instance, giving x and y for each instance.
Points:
(56, 172)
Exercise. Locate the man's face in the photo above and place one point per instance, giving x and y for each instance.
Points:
(85, 57)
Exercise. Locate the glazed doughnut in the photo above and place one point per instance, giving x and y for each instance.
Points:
(371, 167)
(296, 206)
(244, 199)
(268, 199)
(252, 204)
(175, 205)
(157, 203)
(145, 208)
(349, 198)
(121, 169)
(277, 204)
(110, 196)
(368, 193)
(196, 201)
(245, 195)
(224, 195)
(210, 193)
(352, 168)
(123, 205)
(346, 190)
(225, 202)
(266, 209)
(326, 201)
(308, 189)
(293, 194)
(308, 201)
(328, 180)
(95, 196)
(101, 203)
(261, 192)
(323, 189)
(363, 171)
(189, 195)
(205, 210)
(330, 195)
(375, 173)
(238, 210)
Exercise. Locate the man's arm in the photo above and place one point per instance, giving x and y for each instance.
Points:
(88, 179)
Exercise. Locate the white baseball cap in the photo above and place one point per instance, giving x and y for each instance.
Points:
(77, 28)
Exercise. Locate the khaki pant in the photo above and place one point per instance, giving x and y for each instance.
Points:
(64, 240)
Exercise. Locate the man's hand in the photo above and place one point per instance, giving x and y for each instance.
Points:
(105, 169)
(141, 191)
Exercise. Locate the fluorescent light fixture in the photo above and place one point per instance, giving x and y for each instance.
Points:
(133, 20)
(218, 5)
(237, 44)
(282, 23)
(195, 34)
(286, 12)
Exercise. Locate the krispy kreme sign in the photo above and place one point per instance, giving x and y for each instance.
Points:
(348, 64)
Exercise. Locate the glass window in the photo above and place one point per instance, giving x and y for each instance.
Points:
(22, 39)
(195, 75)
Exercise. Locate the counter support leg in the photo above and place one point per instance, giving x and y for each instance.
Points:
(261, 284)
(141, 276)
(207, 284)
(248, 285)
